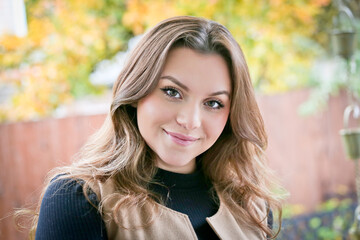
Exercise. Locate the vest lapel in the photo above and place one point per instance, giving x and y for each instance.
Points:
(169, 224)
(227, 228)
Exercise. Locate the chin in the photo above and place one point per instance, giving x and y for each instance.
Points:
(173, 161)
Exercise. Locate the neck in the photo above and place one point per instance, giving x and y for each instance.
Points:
(185, 169)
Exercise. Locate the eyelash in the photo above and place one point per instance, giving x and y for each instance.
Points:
(166, 89)
(221, 105)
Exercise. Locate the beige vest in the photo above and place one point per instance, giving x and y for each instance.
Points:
(170, 224)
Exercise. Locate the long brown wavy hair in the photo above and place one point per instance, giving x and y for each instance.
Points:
(235, 164)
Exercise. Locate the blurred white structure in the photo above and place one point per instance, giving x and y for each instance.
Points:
(107, 71)
(89, 105)
(105, 74)
(13, 18)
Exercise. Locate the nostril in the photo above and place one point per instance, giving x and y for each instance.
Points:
(189, 124)
(189, 117)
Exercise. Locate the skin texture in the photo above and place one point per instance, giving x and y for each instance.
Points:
(188, 110)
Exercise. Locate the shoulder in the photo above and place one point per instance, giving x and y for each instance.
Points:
(65, 213)
(69, 189)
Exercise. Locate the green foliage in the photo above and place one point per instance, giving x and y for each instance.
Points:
(279, 37)
(319, 224)
(340, 223)
(330, 75)
(315, 222)
(292, 210)
(51, 65)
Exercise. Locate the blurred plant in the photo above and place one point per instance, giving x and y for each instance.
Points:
(68, 37)
(331, 220)
(52, 64)
(280, 38)
(292, 210)
(330, 74)
(354, 230)
(339, 223)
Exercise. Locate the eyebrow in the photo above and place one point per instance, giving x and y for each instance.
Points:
(177, 82)
(220, 93)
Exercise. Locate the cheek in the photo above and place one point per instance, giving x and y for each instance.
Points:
(216, 125)
(151, 110)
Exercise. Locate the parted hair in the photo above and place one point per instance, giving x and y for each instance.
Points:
(235, 164)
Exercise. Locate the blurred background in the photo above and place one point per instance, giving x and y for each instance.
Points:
(59, 59)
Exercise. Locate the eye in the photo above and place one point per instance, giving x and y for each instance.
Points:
(214, 104)
(171, 92)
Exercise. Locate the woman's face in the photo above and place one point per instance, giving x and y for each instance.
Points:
(188, 110)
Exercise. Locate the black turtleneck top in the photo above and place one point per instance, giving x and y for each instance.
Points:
(65, 213)
(190, 194)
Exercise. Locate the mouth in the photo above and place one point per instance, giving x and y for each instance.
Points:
(181, 139)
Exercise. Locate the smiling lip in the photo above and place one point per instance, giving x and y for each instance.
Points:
(181, 139)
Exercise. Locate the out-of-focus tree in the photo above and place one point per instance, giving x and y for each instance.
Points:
(52, 64)
(280, 38)
(337, 72)
(68, 37)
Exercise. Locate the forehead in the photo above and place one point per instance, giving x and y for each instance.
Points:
(207, 72)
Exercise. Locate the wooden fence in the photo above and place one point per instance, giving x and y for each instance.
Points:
(305, 153)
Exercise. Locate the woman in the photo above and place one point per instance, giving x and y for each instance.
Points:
(180, 155)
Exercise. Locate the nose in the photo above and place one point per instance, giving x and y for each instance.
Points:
(189, 117)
